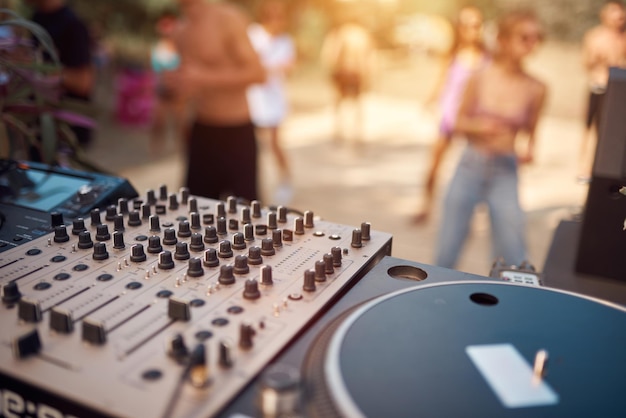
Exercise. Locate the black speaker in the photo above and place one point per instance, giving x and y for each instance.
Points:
(602, 244)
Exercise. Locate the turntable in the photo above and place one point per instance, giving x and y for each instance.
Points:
(458, 345)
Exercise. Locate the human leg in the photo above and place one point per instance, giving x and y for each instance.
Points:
(464, 193)
(505, 212)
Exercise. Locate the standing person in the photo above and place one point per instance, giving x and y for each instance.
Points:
(466, 56)
(169, 107)
(268, 101)
(501, 103)
(348, 53)
(73, 43)
(218, 64)
(603, 46)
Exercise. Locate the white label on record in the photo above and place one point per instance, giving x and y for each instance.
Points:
(510, 376)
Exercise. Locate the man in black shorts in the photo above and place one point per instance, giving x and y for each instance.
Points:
(218, 63)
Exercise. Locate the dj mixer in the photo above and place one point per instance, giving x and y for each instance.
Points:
(165, 305)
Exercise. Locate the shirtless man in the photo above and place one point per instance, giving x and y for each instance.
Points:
(603, 46)
(217, 65)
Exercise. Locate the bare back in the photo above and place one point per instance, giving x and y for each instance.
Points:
(214, 41)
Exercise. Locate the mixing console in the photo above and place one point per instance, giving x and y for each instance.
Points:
(168, 305)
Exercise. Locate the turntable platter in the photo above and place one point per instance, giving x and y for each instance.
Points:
(469, 349)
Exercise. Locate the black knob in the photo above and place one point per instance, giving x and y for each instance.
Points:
(210, 258)
(251, 289)
(118, 240)
(221, 226)
(272, 222)
(308, 219)
(134, 219)
(298, 227)
(102, 233)
(267, 246)
(225, 250)
(122, 204)
(11, 293)
(195, 220)
(155, 223)
(193, 205)
(154, 244)
(239, 242)
(329, 268)
(56, 219)
(118, 223)
(254, 256)
(246, 332)
(282, 214)
(182, 251)
(248, 232)
(245, 215)
(78, 226)
(266, 275)
(146, 211)
(356, 239)
(225, 359)
(208, 218)
(169, 236)
(231, 202)
(173, 202)
(320, 271)
(151, 197)
(277, 237)
(100, 251)
(184, 195)
(233, 224)
(241, 265)
(220, 210)
(255, 206)
(336, 253)
(227, 275)
(95, 217)
(184, 230)
(111, 211)
(210, 235)
(195, 267)
(196, 243)
(165, 261)
(365, 231)
(60, 234)
(177, 349)
(163, 192)
(84, 240)
(137, 254)
(309, 281)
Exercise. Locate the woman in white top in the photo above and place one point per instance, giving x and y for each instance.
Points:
(268, 101)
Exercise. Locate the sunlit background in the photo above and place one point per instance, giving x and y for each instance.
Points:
(381, 182)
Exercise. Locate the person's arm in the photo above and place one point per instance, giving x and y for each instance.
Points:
(78, 80)
(77, 75)
(442, 75)
(528, 155)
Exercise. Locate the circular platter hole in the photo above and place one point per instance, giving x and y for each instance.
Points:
(484, 299)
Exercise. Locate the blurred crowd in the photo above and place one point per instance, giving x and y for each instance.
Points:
(216, 87)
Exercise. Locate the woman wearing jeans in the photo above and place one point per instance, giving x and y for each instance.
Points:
(500, 106)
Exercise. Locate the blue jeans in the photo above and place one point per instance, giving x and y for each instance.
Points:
(491, 179)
